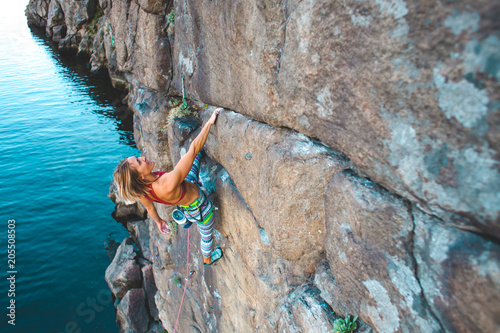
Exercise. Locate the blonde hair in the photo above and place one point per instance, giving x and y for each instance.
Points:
(130, 187)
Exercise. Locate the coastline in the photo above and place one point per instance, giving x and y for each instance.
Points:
(342, 167)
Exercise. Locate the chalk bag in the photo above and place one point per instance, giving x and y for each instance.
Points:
(178, 216)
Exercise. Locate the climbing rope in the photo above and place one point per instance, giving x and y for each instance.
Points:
(142, 140)
(184, 103)
(185, 285)
(111, 34)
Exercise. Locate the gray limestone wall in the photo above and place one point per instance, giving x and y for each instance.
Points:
(355, 167)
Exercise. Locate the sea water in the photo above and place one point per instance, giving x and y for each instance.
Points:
(60, 139)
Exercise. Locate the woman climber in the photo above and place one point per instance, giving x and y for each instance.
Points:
(135, 180)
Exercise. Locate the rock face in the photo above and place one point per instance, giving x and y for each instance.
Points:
(124, 273)
(356, 173)
(375, 80)
(289, 172)
(454, 269)
(378, 278)
(130, 278)
(131, 312)
(36, 12)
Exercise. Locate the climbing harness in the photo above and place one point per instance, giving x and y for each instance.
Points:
(188, 275)
(183, 211)
(180, 210)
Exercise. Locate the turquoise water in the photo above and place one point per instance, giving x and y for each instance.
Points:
(60, 140)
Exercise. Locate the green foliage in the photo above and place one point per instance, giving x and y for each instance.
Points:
(179, 111)
(177, 281)
(174, 102)
(92, 26)
(173, 226)
(171, 18)
(345, 325)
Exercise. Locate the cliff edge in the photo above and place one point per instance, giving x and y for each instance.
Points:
(355, 169)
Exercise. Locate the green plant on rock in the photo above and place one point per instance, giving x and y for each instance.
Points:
(177, 281)
(345, 325)
(171, 18)
(92, 26)
(178, 112)
(173, 102)
(173, 226)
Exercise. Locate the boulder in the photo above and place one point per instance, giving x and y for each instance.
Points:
(182, 129)
(251, 277)
(150, 289)
(331, 293)
(111, 247)
(55, 17)
(98, 59)
(124, 213)
(303, 310)
(69, 43)
(369, 234)
(113, 194)
(139, 230)
(58, 32)
(124, 273)
(85, 47)
(36, 13)
(77, 13)
(131, 312)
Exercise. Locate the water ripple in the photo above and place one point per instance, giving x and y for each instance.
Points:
(60, 142)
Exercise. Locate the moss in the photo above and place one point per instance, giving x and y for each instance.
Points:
(92, 26)
(174, 102)
(179, 111)
(171, 18)
(169, 26)
(177, 281)
(173, 226)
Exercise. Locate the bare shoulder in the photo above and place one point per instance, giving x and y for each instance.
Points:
(164, 184)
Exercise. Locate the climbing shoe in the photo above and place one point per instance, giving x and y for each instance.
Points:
(215, 256)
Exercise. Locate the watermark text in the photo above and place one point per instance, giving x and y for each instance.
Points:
(11, 271)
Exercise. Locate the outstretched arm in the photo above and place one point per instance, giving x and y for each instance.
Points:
(182, 168)
(162, 225)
